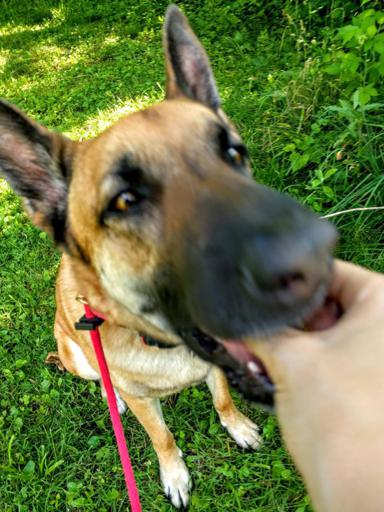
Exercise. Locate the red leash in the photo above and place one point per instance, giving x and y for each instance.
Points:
(91, 323)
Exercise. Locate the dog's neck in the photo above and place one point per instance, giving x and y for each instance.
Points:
(88, 285)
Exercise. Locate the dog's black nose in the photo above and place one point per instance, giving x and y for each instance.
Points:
(287, 268)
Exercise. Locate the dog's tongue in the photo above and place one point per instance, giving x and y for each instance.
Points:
(238, 350)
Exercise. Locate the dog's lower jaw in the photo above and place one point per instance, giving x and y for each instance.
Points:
(254, 386)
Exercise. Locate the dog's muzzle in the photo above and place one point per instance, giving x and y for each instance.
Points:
(247, 262)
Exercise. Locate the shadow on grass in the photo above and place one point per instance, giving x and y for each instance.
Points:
(64, 63)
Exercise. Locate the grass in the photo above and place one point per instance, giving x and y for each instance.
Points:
(77, 66)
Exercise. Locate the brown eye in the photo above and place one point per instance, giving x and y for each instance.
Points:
(126, 200)
(235, 156)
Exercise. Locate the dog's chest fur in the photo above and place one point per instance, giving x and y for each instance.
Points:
(152, 371)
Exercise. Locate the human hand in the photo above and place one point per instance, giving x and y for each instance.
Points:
(330, 395)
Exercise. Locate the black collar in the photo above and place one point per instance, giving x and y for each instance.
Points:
(152, 342)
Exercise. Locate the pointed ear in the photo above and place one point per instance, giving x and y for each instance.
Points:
(37, 164)
(188, 68)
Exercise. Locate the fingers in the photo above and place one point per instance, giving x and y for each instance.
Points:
(359, 291)
(349, 281)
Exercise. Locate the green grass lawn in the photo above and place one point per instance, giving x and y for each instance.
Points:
(78, 65)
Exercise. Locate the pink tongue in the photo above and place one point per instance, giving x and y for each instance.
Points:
(238, 350)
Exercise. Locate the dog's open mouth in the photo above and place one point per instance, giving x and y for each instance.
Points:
(244, 370)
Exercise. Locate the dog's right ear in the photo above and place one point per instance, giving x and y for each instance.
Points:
(37, 164)
(188, 70)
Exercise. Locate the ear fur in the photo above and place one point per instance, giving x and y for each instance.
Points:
(188, 69)
(37, 164)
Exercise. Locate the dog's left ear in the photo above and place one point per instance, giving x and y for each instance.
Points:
(188, 68)
(37, 164)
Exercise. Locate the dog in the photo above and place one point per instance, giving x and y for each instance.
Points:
(165, 233)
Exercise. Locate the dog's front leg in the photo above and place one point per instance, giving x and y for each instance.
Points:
(173, 471)
(239, 427)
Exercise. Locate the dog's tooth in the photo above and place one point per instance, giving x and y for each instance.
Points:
(252, 366)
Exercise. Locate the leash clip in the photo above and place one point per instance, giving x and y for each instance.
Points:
(91, 320)
(88, 324)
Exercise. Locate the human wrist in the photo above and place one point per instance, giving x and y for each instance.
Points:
(344, 471)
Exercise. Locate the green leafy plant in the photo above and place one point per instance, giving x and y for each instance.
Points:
(357, 60)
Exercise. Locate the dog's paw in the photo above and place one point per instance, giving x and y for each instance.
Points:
(176, 482)
(121, 405)
(243, 431)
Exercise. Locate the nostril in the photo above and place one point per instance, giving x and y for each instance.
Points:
(292, 281)
(290, 286)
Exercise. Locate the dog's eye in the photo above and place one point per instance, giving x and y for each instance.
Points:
(235, 156)
(127, 203)
(233, 151)
(124, 201)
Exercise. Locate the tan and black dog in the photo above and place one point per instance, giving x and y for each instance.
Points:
(166, 234)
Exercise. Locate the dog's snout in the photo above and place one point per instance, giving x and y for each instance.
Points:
(253, 260)
(294, 265)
